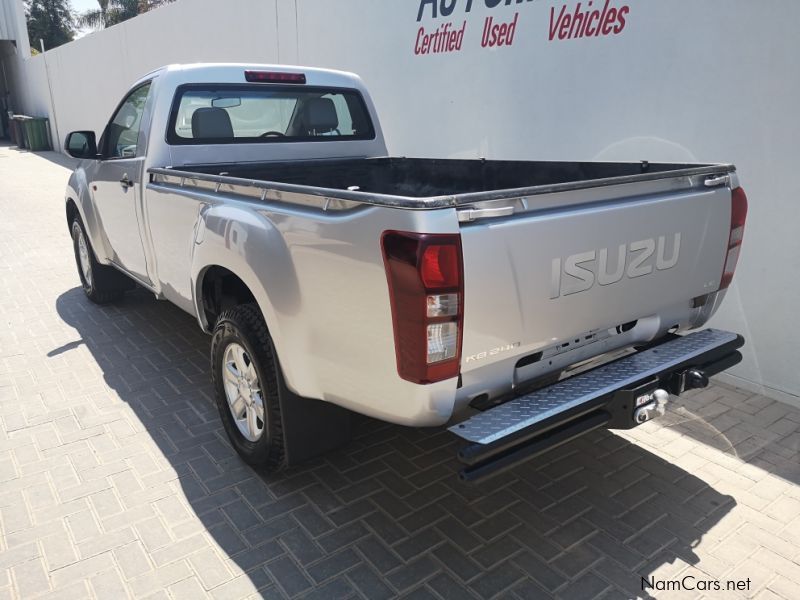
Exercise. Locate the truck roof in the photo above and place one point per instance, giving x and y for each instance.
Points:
(232, 72)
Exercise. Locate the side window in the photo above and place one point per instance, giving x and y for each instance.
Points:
(123, 130)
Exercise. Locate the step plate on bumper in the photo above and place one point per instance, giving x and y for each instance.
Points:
(522, 412)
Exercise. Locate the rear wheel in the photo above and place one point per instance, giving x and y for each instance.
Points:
(101, 283)
(245, 376)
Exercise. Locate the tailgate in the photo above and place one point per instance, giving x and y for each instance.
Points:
(542, 277)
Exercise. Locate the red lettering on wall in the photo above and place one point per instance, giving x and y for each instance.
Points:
(498, 34)
(587, 21)
(443, 39)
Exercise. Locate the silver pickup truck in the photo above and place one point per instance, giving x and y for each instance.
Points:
(522, 303)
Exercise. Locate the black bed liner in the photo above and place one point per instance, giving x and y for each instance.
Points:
(425, 177)
(418, 183)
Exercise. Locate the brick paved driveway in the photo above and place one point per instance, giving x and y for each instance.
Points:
(116, 479)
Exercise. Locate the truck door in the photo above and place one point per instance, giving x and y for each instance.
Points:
(118, 183)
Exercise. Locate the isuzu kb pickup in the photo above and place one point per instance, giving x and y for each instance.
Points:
(521, 303)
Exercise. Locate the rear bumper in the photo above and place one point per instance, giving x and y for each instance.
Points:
(607, 396)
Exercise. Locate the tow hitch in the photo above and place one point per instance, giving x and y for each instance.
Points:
(653, 405)
(618, 395)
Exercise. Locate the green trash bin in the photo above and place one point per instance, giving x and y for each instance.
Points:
(40, 133)
(36, 129)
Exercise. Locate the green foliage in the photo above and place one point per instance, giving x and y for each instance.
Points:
(111, 12)
(51, 21)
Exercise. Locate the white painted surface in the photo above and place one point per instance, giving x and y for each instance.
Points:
(683, 81)
(12, 23)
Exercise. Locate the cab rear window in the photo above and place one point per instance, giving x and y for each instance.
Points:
(267, 113)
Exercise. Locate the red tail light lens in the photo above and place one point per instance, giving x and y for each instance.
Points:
(273, 77)
(440, 266)
(738, 218)
(425, 277)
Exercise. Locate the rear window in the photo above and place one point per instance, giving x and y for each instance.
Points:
(267, 113)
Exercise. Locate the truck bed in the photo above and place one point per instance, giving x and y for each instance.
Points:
(562, 261)
(431, 183)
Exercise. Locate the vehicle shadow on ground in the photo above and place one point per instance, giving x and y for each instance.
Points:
(386, 515)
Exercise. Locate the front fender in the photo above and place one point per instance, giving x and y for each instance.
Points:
(78, 192)
(250, 245)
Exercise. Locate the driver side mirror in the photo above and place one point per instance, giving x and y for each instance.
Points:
(81, 144)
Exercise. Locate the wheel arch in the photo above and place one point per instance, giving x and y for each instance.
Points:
(78, 202)
(218, 289)
(245, 250)
(72, 211)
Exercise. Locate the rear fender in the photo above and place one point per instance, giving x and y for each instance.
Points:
(248, 244)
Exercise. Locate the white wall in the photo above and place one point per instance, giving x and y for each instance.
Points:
(12, 24)
(683, 81)
(89, 76)
(14, 48)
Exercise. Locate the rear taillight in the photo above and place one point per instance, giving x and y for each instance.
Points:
(738, 218)
(426, 289)
(274, 77)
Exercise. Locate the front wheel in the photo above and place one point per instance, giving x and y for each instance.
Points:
(101, 284)
(244, 371)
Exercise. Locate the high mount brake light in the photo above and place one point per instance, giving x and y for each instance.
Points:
(274, 77)
(426, 290)
(738, 218)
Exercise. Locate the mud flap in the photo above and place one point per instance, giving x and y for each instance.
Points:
(310, 427)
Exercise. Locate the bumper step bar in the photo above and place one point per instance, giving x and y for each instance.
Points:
(606, 396)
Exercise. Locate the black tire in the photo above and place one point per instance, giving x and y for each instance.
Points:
(104, 284)
(244, 325)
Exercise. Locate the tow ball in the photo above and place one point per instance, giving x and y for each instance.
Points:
(656, 405)
(690, 379)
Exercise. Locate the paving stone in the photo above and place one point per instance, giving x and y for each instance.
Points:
(132, 560)
(178, 550)
(187, 589)
(240, 587)
(288, 576)
(369, 583)
(109, 585)
(105, 542)
(500, 550)
(587, 585)
(82, 569)
(242, 516)
(58, 551)
(783, 587)
(420, 543)
(459, 535)
(153, 534)
(334, 565)
(335, 588)
(78, 590)
(539, 571)
(160, 578)
(31, 578)
(497, 580)
(301, 546)
(412, 574)
(83, 526)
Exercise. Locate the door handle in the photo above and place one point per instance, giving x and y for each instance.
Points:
(125, 181)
